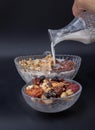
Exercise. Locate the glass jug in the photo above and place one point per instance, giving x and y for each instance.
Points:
(80, 29)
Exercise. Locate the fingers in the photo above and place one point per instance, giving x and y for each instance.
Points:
(76, 9)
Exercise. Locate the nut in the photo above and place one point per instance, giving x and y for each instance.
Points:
(45, 100)
(29, 87)
(47, 89)
(69, 92)
(63, 95)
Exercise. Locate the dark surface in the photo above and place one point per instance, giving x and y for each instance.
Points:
(23, 31)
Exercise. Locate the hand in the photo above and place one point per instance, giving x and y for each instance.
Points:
(80, 5)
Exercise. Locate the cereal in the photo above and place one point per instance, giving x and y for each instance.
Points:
(46, 64)
(38, 64)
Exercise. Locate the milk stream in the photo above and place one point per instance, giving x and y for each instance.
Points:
(53, 52)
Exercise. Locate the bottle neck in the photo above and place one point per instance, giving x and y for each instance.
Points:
(59, 35)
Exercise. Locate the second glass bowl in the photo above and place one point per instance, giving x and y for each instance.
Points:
(52, 105)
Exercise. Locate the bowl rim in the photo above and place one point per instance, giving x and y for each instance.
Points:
(70, 80)
(61, 55)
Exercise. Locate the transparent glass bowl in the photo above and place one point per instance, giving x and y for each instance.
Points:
(28, 75)
(52, 105)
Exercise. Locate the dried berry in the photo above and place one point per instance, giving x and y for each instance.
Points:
(47, 95)
(36, 81)
(58, 79)
(42, 78)
(58, 90)
(73, 87)
(34, 92)
(49, 84)
(55, 79)
(50, 94)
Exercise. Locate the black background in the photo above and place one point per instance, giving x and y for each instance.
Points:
(23, 31)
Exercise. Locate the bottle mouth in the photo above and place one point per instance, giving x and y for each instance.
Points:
(77, 24)
(55, 35)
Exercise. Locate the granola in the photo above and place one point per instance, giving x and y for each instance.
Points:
(46, 64)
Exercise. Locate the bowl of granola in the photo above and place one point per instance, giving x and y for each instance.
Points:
(51, 95)
(66, 66)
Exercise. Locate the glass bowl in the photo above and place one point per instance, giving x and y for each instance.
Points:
(27, 75)
(52, 105)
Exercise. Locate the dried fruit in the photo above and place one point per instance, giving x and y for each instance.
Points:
(51, 93)
(46, 88)
(42, 78)
(73, 87)
(57, 84)
(36, 81)
(58, 90)
(34, 92)
(57, 79)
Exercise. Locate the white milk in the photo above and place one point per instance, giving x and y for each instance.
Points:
(53, 52)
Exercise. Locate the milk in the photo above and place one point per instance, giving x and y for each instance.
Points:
(53, 52)
(83, 36)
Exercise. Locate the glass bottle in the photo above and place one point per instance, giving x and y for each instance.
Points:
(80, 29)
